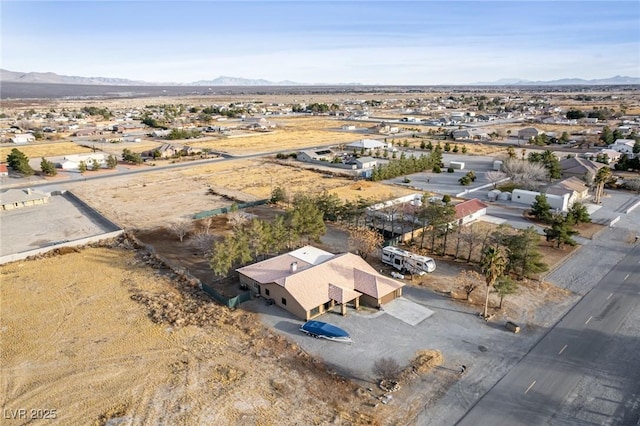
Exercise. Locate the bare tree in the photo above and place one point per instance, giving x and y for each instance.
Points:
(386, 368)
(469, 281)
(203, 241)
(206, 223)
(181, 228)
(494, 177)
(364, 240)
(525, 173)
(237, 218)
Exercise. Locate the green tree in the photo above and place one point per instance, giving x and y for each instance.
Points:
(278, 194)
(505, 286)
(578, 213)
(607, 136)
(493, 263)
(19, 162)
(82, 167)
(565, 137)
(95, 165)
(523, 256)
(430, 146)
(447, 147)
(305, 219)
(603, 175)
(636, 147)
(423, 145)
(48, 168)
(541, 209)
(464, 149)
(561, 232)
(279, 234)
(112, 162)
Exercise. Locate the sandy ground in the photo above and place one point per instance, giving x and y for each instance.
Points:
(155, 199)
(74, 341)
(53, 149)
(291, 133)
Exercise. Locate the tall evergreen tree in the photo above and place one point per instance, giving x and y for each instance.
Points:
(541, 209)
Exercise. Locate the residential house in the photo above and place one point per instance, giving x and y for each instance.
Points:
(309, 282)
(4, 171)
(575, 187)
(323, 154)
(528, 133)
(21, 138)
(623, 146)
(469, 210)
(579, 167)
(469, 134)
(19, 198)
(169, 150)
(72, 162)
(367, 144)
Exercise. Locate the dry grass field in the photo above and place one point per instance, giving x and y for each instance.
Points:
(53, 149)
(155, 199)
(79, 337)
(291, 133)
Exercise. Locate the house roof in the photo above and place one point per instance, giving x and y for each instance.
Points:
(3, 168)
(341, 277)
(469, 207)
(577, 165)
(628, 142)
(20, 195)
(569, 185)
(363, 160)
(367, 144)
(279, 267)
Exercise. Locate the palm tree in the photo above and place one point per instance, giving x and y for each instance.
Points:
(602, 176)
(493, 263)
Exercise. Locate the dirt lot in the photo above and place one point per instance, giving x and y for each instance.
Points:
(45, 150)
(151, 200)
(74, 341)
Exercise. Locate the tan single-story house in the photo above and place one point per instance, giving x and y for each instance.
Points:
(309, 282)
(17, 198)
(575, 187)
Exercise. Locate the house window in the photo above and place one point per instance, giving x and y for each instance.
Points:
(284, 301)
(266, 291)
(315, 311)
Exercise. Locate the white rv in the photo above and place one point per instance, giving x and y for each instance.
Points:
(406, 261)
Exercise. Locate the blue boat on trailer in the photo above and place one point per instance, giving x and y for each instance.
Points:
(323, 330)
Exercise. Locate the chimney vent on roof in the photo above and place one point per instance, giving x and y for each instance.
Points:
(294, 266)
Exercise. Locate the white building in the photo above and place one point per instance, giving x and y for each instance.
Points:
(623, 146)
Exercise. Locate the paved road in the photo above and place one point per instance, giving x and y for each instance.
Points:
(534, 391)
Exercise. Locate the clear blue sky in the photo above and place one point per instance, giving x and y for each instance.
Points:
(370, 42)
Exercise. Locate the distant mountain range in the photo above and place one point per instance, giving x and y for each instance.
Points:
(53, 78)
(618, 79)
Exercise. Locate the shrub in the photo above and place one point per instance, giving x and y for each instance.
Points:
(386, 368)
(464, 180)
(437, 169)
(450, 170)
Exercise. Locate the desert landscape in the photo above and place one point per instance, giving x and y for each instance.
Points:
(120, 331)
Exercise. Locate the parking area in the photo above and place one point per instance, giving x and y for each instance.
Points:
(60, 220)
(421, 320)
